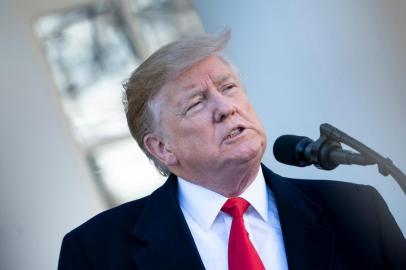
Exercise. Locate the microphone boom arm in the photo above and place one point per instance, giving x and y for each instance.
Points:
(367, 156)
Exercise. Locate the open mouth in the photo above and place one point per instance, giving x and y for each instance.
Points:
(234, 132)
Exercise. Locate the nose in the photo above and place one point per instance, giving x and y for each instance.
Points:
(223, 107)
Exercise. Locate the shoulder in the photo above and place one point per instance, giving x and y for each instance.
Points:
(336, 197)
(110, 237)
(103, 236)
(337, 193)
(109, 223)
(319, 187)
(349, 204)
(318, 190)
(361, 209)
(120, 221)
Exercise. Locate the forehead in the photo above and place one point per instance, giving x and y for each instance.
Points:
(211, 68)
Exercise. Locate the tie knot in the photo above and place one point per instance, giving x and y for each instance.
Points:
(235, 207)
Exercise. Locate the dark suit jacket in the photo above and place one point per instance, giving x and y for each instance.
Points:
(325, 225)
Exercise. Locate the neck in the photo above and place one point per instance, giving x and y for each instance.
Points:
(229, 182)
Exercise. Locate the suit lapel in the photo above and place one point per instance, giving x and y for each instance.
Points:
(170, 245)
(308, 244)
(162, 227)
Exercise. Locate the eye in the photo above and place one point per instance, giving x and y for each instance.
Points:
(194, 107)
(197, 103)
(229, 87)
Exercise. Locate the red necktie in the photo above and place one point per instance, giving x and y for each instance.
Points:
(241, 253)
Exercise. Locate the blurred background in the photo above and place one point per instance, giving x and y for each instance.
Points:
(66, 152)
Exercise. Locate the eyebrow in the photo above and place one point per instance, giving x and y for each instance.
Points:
(222, 79)
(195, 92)
(195, 89)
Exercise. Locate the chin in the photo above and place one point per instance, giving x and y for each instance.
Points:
(251, 151)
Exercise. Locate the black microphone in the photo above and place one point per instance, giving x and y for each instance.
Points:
(324, 154)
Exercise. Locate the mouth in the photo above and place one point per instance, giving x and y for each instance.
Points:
(234, 133)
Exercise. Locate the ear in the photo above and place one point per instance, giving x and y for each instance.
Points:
(160, 149)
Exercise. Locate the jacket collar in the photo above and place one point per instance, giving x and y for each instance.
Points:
(169, 243)
(308, 244)
(162, 227)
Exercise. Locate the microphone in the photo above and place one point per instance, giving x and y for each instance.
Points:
(324, 154)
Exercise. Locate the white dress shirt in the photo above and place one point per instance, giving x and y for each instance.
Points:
(210, 227)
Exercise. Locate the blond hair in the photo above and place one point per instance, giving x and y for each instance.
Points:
(148, 79)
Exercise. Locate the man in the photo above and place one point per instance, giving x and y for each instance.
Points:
(220, 208)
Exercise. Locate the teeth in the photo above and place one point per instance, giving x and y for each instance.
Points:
(235, 132)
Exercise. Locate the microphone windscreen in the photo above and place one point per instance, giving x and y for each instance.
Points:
(284, 149)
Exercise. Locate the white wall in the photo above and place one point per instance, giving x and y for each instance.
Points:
(45, 190)
(303, 62)
(309, 62)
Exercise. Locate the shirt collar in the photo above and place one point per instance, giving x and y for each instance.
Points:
(256, 194)
(203, 205)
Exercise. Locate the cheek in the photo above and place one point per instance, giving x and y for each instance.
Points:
(197, 124)
(196, 131)
(248, 150)
(194, 143)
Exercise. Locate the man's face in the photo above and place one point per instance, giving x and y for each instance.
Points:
(207, 122)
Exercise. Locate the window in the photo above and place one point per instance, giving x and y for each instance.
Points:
(91, 50)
